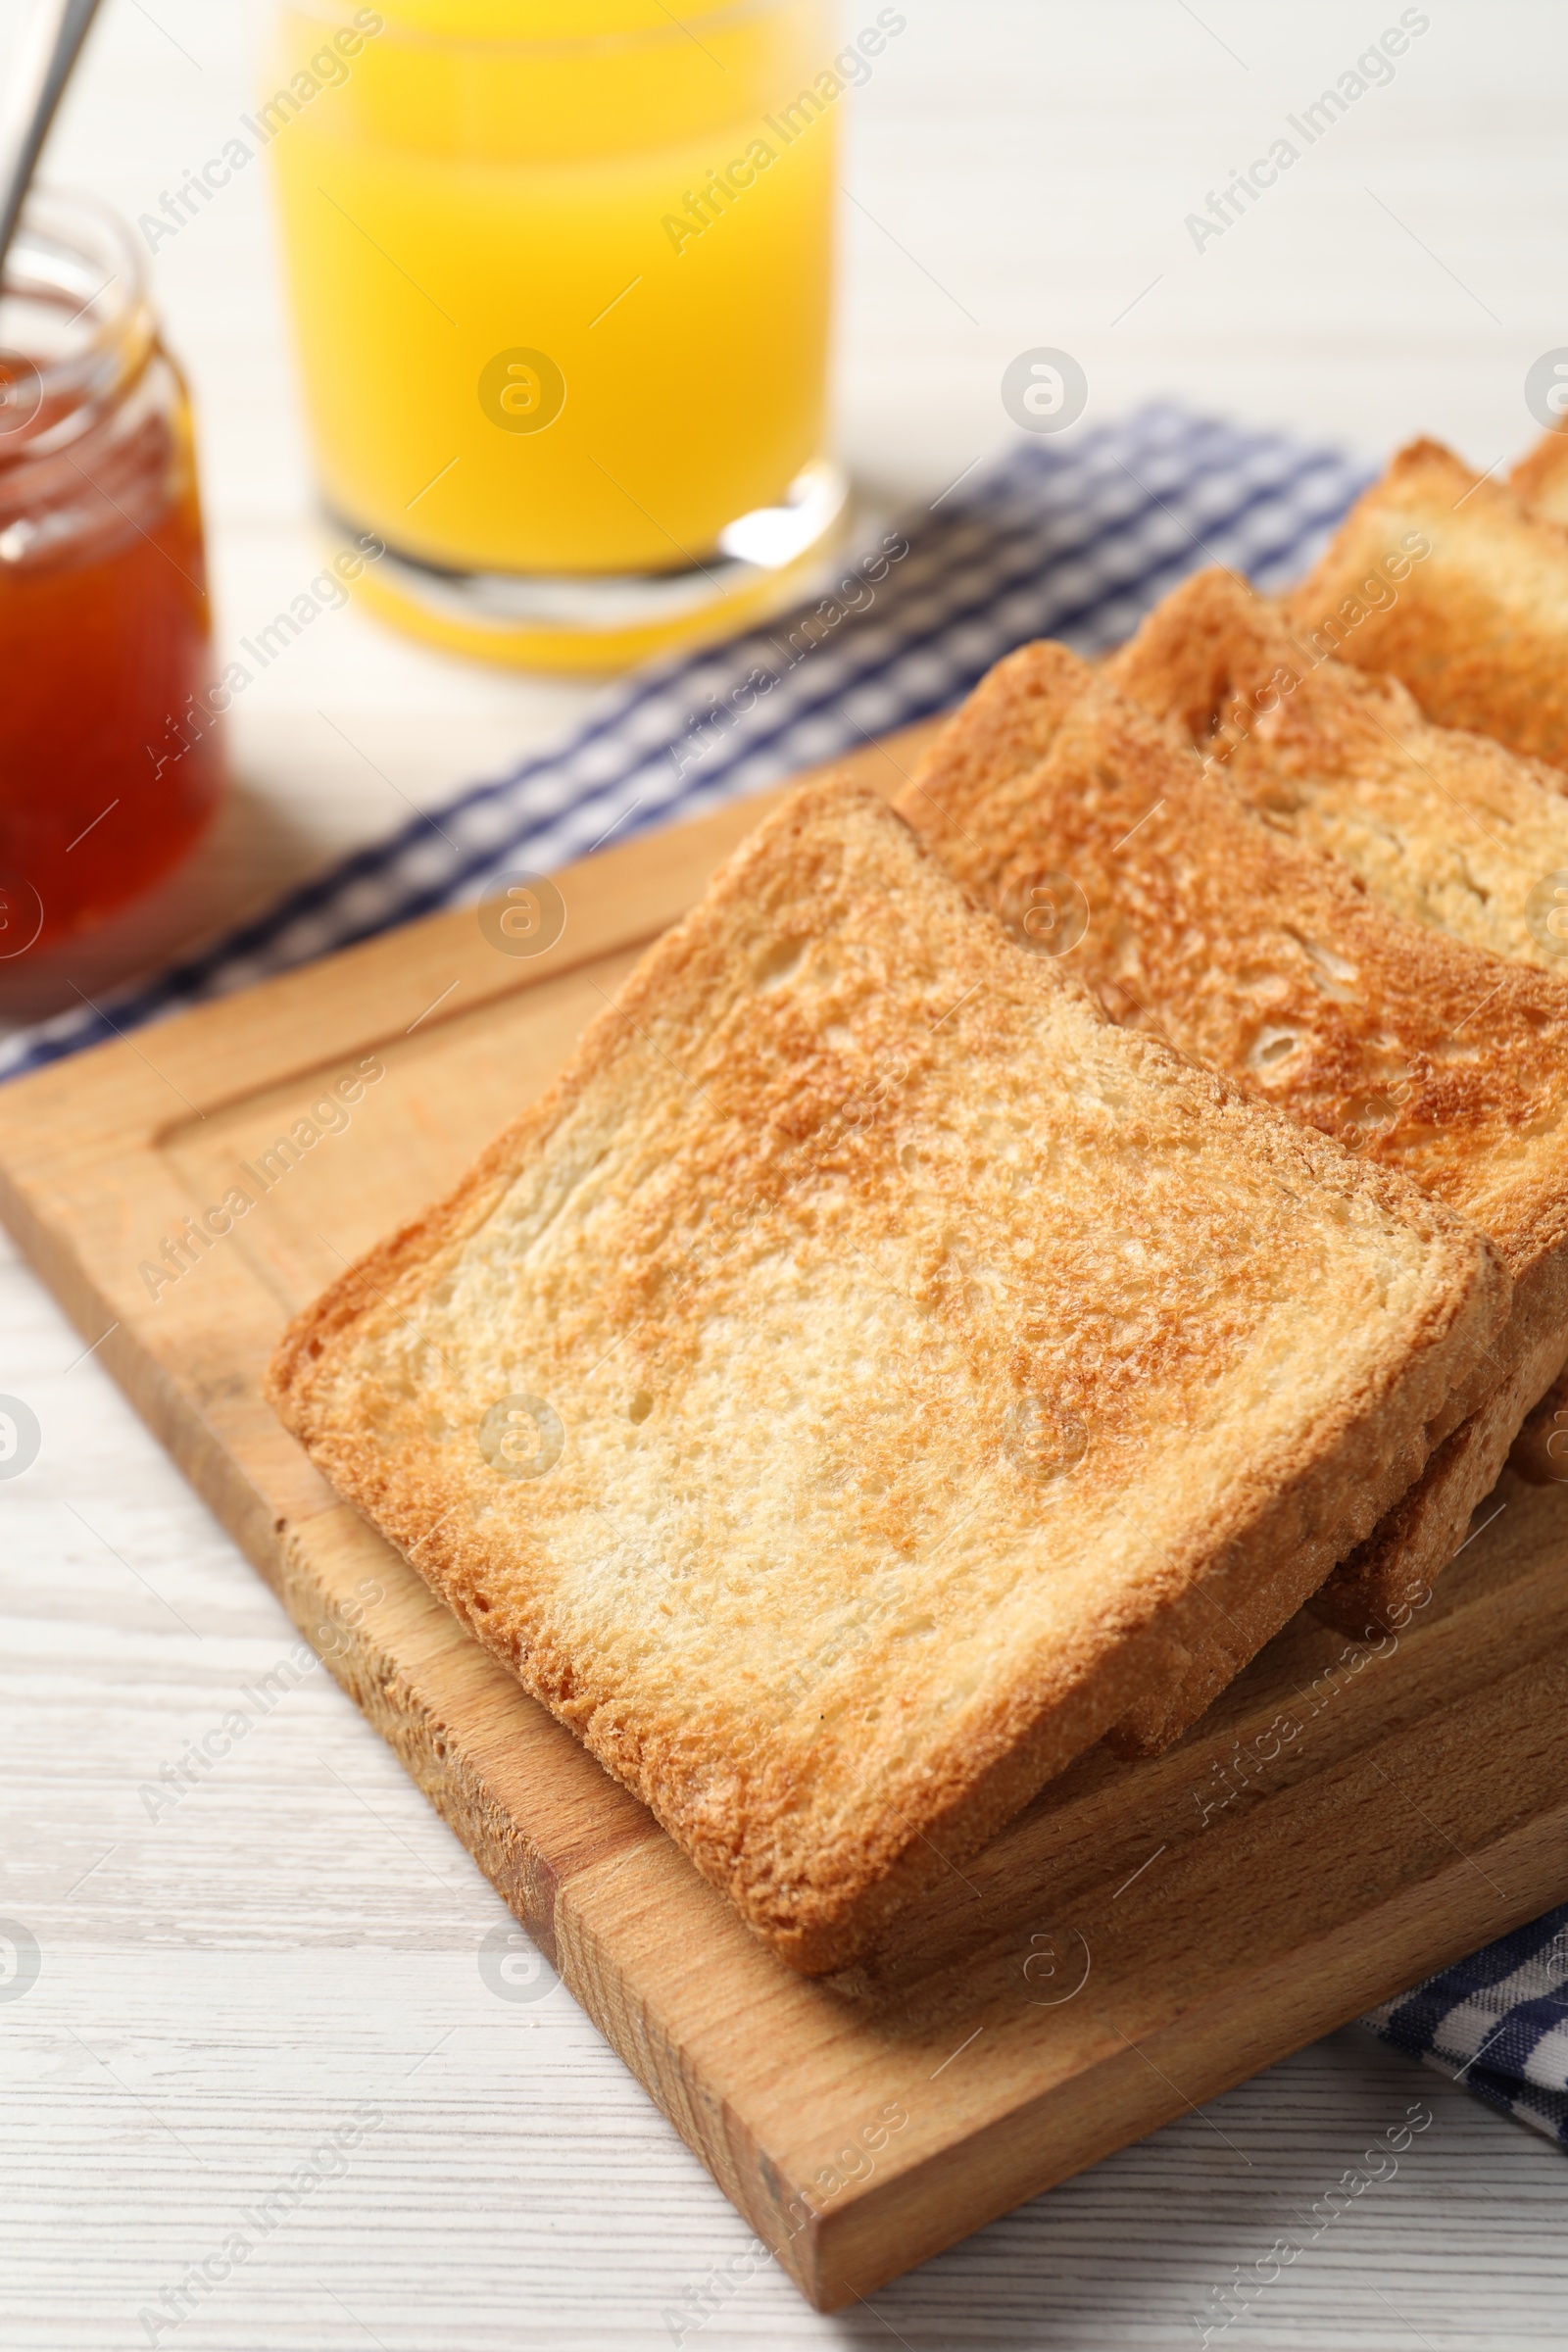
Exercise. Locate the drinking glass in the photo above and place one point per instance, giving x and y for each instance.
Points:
(561, 276)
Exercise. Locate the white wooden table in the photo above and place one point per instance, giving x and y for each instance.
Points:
(295, 1942)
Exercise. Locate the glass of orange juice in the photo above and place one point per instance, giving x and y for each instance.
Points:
(562, 278)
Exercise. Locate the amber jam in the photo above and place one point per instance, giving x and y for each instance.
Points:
(105, 635)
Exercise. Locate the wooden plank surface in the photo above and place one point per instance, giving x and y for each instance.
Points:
(1141, 1937)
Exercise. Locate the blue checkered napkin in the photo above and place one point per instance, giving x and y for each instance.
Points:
(1074, 542)
(1497, 2023)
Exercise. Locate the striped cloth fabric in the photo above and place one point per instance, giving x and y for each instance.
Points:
(1075, 541)
(1497, 2023)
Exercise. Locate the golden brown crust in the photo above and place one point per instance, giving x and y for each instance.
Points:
(1255, 953)
(1379, 1585)
(1539, 480)
(1267, 959)
(852, 1281)
(1450, 830)
(1449, 582)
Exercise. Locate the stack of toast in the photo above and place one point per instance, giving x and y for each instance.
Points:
(1001, 1256)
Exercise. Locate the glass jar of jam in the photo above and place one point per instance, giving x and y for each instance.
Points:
(104, 633)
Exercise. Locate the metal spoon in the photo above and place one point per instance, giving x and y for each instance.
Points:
(45, 56)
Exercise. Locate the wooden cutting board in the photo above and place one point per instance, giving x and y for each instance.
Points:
(1146, 1934)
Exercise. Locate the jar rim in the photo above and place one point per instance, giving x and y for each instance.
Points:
(70, 238)
(719, 19)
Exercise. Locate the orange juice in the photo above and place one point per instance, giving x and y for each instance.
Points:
(561, 269)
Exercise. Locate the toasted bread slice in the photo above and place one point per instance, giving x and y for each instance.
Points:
(1450, 583)
(1447, 829)
(868, 1373)
(1458, 586)
(1539, 1453)
(1539, 480)
(1267, 959)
